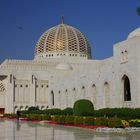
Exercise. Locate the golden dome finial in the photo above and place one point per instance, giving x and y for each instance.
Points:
(62, 19)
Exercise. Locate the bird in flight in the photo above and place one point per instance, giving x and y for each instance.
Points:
(19, 27)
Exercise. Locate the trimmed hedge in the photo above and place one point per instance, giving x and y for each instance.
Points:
(83, 107)
(38, 117)
(123, 113)
(67, 111)
(115, 122)
(69, 120)
(88, 121)
(134, 123)
(78, 120)
(54, 111)
(101, 121)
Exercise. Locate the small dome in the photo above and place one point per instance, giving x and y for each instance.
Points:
(62, 40)
(64, 66)
(134, 33)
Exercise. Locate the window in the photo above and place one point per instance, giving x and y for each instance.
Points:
(11, 78)
(93, 88)
(2, 87)
(126, 55)
(106, 94)
(83, 87)
(52, 96)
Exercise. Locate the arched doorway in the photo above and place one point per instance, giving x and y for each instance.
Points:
(126, 88)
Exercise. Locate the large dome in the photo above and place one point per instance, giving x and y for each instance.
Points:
(62, 40)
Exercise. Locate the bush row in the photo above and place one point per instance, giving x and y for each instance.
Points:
(55, 111)
(79, 120)
(123, 113)
(114, 122)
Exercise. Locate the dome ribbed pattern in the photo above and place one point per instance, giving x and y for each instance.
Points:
(63, 39)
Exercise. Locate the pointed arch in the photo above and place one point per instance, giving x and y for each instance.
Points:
(59, 94)
(74, 95)
(93, 92)
(126, 88)
(106, 94)
(83, 91)
(66, 98)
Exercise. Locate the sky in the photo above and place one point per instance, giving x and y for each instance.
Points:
(103, 22)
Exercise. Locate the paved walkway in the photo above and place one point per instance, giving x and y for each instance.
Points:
(22, 130)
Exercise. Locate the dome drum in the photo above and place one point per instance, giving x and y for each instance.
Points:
(59, 54)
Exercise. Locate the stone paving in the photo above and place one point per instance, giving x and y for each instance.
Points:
(23, 130)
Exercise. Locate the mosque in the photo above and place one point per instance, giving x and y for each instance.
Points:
(62, 72)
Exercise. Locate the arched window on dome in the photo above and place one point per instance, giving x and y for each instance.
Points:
(52, 97)
(106, 94)
(126, 88)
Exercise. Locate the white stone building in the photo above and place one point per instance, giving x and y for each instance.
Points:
(62, 72)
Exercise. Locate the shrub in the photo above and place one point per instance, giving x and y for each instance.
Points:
(67, 111)
(123, 113)
(101, 121)
(10, 115)
(46, 117)
(83, 107)
(32, 108)
(69, 119)
(89, 120)
(78, 120)
(115, 122)
(125, 123)
(33, 117)
(54, 111)
(61, 119)
(134, 123)
(7, 115)
(55, 118)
